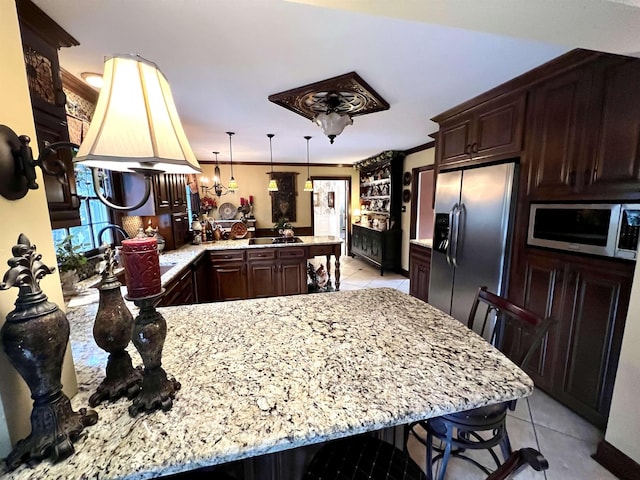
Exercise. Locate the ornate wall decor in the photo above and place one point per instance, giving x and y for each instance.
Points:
(283, 202)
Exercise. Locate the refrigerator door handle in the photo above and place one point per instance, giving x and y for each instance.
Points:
(456, 238)
(451, 236)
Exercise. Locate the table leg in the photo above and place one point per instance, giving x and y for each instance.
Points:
(337, 257)
(328, 269)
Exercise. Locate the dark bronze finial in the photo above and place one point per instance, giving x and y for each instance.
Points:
(26, 268)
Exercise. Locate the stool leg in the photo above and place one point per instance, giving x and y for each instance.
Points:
(447, 452)
(505, 446)
(429, 464)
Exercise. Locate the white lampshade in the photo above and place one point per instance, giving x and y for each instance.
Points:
(135, 125)
(332, 124)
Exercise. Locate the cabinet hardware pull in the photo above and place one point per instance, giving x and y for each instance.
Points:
(474, 147)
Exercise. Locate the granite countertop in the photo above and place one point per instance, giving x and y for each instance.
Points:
(424, 242)
(265, 375)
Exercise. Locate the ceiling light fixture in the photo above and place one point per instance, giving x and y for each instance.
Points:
(331, 121)
(93, 79)
(135, 128)
(233, 185)
(332, 103)
(308, 185)
(273, 185)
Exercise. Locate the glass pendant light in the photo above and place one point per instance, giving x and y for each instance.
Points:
(308, 185)
(273, 185)
(233, 185)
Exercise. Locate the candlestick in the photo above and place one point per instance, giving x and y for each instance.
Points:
(149, 333)
(141, 267)
(251, 199)
(112, 332)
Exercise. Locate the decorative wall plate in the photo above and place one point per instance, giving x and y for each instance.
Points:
(238, 230)
(406, 179)
(406, 195)
(227, 211)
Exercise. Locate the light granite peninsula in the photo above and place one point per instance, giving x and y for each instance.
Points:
(272, 374)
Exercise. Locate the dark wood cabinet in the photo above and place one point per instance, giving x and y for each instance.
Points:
(201, 278)
(41, 39)
(179, 291)
(556, 134)
(583, 141)
(277, 271)
(589, 299)
(615, 116)
(490, 129)
(180, 229)
(168, 194)
(419, 271)
(381, 248)
(228, 275)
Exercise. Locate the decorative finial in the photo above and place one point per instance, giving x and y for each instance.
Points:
(26, 268)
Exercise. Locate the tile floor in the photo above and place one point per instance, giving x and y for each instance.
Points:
(564, 438)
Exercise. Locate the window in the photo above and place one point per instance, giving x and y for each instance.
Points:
(94, 215)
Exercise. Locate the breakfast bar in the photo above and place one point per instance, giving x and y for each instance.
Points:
(266, 375)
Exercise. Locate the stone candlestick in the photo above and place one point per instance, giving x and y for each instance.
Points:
(35, 337)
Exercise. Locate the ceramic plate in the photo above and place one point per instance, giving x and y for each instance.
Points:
(238, 230)
(227, 211)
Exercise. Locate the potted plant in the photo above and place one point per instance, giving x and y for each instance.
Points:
(70, 260)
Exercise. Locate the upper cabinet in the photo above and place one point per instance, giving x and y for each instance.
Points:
(583, 139)
(489, 129)
(41, 39)
(168, 193)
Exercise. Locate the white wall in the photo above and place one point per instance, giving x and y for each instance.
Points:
(30, 216)
(415, 160)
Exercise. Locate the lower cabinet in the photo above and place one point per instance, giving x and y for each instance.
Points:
(179, 291)
(228, 275)
(201, 277)
(277, 271)
(589, 298)
(419, 270)
(382, 248)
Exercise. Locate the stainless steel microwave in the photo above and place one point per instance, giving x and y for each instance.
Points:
(607, 229)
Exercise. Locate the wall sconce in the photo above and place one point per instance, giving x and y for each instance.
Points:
(135, 128)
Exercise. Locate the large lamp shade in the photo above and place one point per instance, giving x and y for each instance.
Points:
(135, 125)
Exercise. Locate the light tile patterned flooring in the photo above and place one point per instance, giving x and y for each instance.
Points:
(564, 438)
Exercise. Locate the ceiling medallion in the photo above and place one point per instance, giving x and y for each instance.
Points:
(331, 103)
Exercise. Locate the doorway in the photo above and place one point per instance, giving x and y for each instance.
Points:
(330, 208)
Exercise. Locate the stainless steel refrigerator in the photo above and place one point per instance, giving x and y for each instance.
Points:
(473, 209)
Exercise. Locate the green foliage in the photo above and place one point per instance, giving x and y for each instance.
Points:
(281, 224)
(68, 256)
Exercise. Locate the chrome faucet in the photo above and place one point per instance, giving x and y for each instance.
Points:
(117, 228)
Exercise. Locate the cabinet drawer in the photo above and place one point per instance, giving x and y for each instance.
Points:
(317, 250)
(291, 253)
(261, 254)
(226, 256)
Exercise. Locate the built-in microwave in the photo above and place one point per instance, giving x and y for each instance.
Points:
(607, 229)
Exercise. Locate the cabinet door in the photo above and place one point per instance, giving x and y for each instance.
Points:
(179, 291)
(498, 127)
(178, 192)
(595, 310)
(263, 279)
(419, 271)
(64, 206)
(161, 192)
(455, 139)
(356, 238)
(229, 275)
(202, 280)
(542, 293)
(616, 166)
(556, 134)
(180, 228)
(293, 271)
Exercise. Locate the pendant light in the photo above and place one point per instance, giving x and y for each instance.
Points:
(273, 185)
(233, 185)
(308, 185)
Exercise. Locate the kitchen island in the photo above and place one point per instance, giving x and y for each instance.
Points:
(266, 375)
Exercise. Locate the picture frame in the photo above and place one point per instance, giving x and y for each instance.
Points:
(283, 202)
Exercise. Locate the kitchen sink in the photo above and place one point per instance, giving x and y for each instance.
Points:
(274, 240)
(166, 267)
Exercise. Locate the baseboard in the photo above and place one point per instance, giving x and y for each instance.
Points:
(622, 466)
